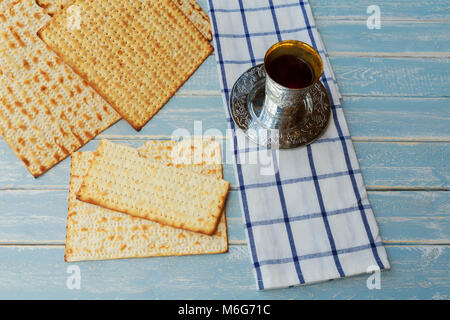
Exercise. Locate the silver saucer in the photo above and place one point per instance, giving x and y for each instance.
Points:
(246, 101)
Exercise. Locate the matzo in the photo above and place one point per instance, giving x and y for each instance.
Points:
(52, 7)
(46, 110)
(189, 7)
(119, 179)
(96, 233)
(135, 53)
(197, 15)
(200, 154)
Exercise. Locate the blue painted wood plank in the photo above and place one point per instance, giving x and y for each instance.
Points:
(397, 118)
(410, 204)
(39, 217)
(400, 9)
(418, 272)
(403, 165)
(392, 76)
(198, 115)
(352, 37)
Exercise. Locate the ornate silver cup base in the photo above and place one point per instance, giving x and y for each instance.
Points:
(246, 102)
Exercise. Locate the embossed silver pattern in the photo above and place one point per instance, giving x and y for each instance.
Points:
(265, 123)
(281, 107)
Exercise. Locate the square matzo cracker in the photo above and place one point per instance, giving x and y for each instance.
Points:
(135, 53)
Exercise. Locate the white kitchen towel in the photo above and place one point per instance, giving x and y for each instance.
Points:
(306, 210)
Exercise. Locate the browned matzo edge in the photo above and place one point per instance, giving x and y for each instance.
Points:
(84, 189)
(224, 213)
(170, 93)
(170, 254)
(46, 5)
(70, 203)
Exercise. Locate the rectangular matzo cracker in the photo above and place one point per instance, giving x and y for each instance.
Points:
(96, 233)
(46, 110)
(190, 8)
(119, 179)
(135, 53)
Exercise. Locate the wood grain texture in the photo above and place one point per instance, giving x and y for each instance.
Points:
(392, 10)
(404, 217)
(361, 76)
(418, 272)
(392, 38)
(403, 165)
(394, 118)
(375, 76)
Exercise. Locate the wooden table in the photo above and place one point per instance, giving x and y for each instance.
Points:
(395, 86)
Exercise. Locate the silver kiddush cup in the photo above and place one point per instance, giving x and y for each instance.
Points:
(283, 107)
(277, 116)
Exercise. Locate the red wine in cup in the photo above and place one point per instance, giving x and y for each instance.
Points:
(291, 72)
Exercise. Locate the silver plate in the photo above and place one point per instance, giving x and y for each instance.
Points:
(246, 101)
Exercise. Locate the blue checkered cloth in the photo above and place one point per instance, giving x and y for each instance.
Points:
(306, 210)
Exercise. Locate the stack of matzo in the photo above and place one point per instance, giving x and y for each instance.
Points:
(97, 233)
(135, 53)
